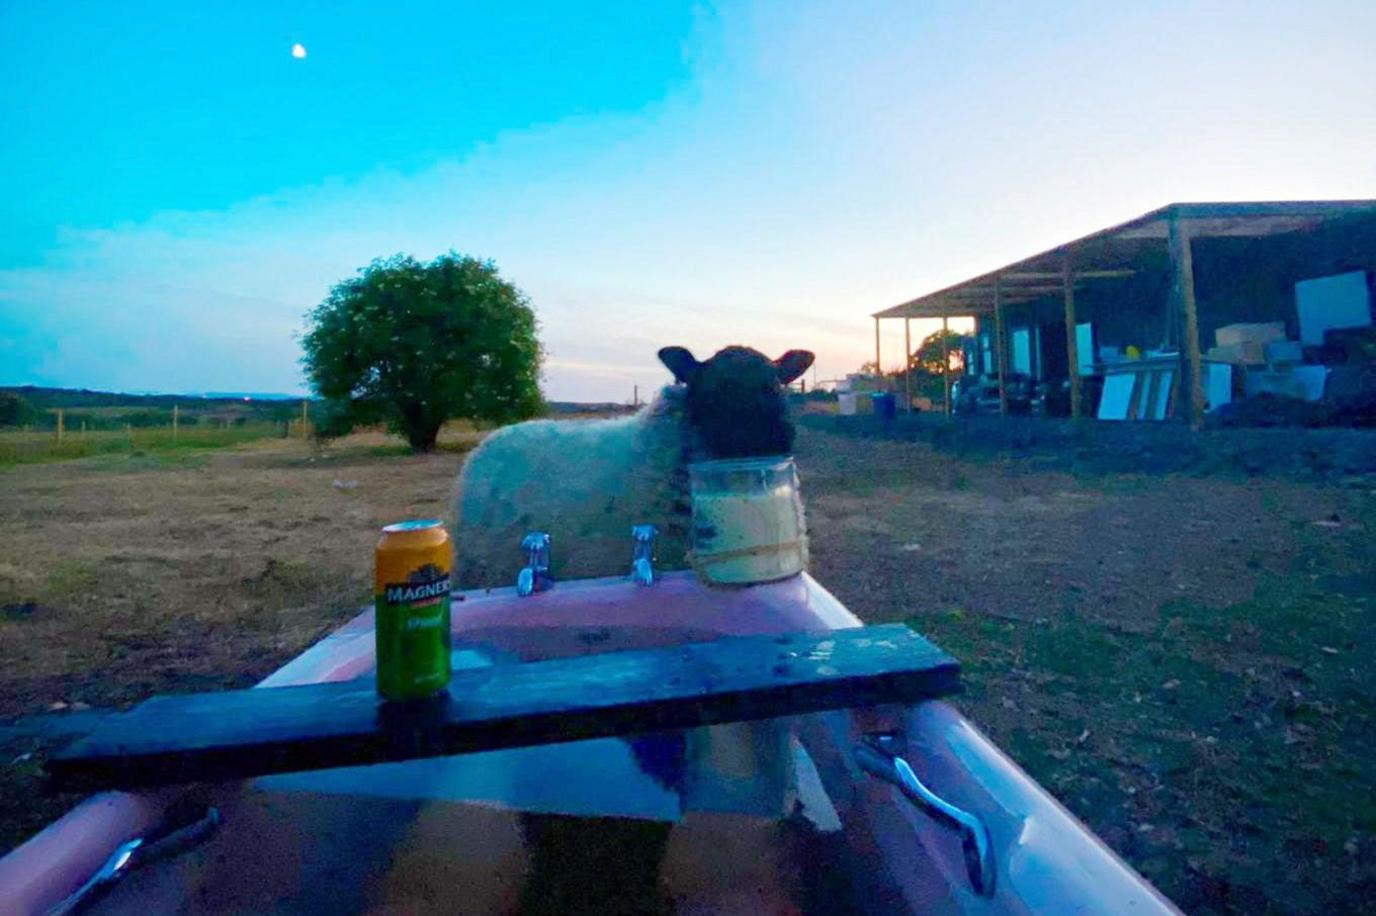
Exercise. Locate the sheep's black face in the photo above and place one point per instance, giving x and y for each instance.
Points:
(735, 400)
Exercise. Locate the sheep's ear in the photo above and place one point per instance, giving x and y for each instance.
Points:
(680, 362)
(793, 364)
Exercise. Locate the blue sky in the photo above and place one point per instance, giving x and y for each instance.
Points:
(176, 190)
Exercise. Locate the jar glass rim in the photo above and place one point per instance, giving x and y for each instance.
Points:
(766, 463)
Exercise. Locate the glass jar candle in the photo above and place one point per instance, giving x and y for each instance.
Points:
(747, 520)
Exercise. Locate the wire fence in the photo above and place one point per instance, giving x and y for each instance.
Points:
(18, 446)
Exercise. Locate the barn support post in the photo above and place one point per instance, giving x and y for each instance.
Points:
(945, 367)
(1182, 267)
(907, 365)
(1072, 352)
(1000, 344)
(877, 371)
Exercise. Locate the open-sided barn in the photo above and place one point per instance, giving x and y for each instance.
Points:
(1173, 314)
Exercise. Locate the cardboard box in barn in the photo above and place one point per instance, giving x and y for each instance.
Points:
(1260, 334)
(1249, 353)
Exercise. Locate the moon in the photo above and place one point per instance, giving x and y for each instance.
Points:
(298, 51)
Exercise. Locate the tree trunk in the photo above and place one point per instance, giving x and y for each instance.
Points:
(421, 435)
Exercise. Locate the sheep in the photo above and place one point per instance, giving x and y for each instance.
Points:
(587, 482)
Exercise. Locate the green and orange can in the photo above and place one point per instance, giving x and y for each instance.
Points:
(411, 602)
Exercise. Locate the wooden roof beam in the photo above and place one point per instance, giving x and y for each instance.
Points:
(1217, 227)
(1012, 295)
(1078, 275)
(937, 310)
(988, 291)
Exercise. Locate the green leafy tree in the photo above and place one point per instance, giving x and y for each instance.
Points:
(925, 363)
(414, 344)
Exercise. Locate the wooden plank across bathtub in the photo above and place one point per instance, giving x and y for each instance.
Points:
(245, 733)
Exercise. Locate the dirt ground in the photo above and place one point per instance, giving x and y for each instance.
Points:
(1183, 661)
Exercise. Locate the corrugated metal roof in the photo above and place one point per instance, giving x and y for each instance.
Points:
(1119, 250)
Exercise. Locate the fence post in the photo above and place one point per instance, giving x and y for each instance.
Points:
(174, 424)
(59, 424)
(305, 417)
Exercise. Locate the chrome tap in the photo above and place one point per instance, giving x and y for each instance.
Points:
(534, 576)
(643, 554)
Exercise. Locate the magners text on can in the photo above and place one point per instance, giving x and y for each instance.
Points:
(411, 597)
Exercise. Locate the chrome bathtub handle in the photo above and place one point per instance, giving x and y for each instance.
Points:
(877, 755)
(111, 871)
(133, 853)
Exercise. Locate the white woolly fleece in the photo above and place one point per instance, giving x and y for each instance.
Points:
(585, 482)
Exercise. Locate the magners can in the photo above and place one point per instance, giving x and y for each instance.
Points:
(411, 598)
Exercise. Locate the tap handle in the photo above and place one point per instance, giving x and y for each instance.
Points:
(643, 553)
(536, 548)
(534, 576)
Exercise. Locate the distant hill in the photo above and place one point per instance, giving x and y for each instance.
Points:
(249, 396)
(560, 408)
(117, 410)
(67, 398)
(114, 409)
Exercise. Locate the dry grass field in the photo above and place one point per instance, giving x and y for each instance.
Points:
(1184, 661)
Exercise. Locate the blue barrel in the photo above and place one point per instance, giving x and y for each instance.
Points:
(885, 405)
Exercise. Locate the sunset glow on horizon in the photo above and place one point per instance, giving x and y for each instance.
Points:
(686, 173)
